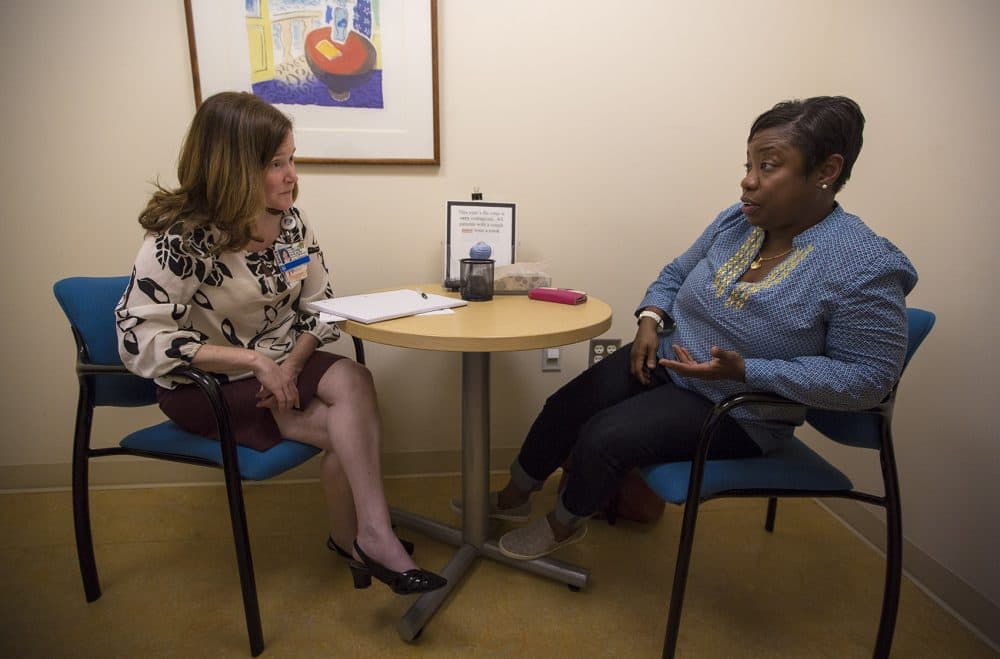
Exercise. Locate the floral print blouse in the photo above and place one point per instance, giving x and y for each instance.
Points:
(181, 297)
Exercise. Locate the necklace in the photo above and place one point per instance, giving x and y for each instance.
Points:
(755, 264)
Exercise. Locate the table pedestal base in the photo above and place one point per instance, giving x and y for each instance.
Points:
(412, 623)
(472, 540)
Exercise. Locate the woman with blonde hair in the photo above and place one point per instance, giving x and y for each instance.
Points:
(208, 289)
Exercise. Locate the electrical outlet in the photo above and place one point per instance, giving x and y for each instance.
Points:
(551, 359)
(601, 348)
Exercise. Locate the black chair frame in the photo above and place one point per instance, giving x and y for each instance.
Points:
(82, 453)
(890, 500)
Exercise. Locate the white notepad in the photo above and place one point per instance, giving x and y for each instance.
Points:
(374, 307)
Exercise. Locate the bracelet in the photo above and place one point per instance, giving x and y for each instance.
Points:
(646, 313)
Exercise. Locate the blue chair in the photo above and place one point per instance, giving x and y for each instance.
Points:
(795, 470)
(89, 303)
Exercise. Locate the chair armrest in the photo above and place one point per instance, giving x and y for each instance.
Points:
(727, 405)
(736, 401)
(201, 378)
(210, 387)
(710, 427)
(85, 368)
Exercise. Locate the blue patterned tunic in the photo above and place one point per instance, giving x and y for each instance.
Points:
(826, 327)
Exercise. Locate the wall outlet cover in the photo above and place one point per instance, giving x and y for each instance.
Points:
(601, 348)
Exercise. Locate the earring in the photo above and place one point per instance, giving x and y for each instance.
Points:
(824, 186)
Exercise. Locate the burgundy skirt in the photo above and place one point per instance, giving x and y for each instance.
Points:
(252, 426)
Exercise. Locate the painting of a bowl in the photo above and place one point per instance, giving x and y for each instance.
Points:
(340, 66)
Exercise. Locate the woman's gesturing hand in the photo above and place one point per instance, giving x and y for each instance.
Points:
(724, 365)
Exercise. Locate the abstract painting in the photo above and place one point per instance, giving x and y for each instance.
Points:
(357, 77)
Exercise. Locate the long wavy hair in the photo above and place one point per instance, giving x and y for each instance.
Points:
(220, 171)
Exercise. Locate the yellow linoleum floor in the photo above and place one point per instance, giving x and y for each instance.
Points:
(170, 587)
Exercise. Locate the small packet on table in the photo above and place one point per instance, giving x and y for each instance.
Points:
(519, 278)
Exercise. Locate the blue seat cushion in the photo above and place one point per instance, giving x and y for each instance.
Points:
(794, 466)
(168, 439)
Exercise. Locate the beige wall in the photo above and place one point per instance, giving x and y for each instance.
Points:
(619, 130)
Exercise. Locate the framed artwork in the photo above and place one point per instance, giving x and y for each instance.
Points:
(357, 77)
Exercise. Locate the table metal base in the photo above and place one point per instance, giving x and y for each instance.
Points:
(471, 539)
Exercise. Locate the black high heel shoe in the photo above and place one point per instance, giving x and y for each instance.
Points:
(343, 553)
(410, 582)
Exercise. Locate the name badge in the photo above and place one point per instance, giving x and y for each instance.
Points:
(292, 260)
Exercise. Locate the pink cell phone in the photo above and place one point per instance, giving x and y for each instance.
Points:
(560, 295)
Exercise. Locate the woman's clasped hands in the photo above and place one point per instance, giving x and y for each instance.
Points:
(278, 388)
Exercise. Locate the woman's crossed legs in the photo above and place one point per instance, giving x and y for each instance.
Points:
(343, 420)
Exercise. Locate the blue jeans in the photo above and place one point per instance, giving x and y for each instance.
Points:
(610, 423)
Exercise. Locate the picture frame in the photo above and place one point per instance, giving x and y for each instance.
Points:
(357, 77)
(470, 222)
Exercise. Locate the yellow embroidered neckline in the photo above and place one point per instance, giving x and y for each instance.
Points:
(730, 271)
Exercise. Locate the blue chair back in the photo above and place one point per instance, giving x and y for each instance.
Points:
(89, 304)
(860, 429)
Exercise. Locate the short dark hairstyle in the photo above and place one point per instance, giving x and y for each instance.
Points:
(818, 127)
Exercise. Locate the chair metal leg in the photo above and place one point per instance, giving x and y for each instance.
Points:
(81, 501)
(893, 554)
(613, 508)
(680, 576)
(244, 561)
(237, 510)
(772, 509)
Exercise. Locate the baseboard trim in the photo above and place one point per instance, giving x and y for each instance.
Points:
(960, 599)
(125, 471)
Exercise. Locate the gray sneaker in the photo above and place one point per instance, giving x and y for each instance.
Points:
(517, 514)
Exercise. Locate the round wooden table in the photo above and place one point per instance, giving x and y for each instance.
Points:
(505, 323)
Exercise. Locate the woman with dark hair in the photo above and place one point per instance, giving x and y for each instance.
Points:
(784, 292)
(209, 289)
